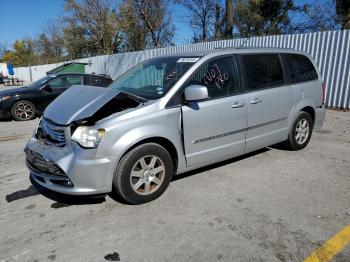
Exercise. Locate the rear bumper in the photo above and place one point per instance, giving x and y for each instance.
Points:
(320, 114)
(84, 173)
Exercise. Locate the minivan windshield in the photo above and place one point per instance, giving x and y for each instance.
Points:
(153, 78)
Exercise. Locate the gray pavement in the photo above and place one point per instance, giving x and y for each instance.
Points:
(272, 205)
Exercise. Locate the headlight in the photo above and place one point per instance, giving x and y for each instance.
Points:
(37, 128)
(87, 136)
(4, 98)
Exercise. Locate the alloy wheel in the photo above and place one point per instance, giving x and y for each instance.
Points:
(302, 131)
(24, 111)
(147, 175)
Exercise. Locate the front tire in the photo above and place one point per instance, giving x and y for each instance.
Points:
(301, 131)
(23, 111)
(143, 174)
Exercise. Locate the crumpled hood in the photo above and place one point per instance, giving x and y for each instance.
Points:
(78, 102)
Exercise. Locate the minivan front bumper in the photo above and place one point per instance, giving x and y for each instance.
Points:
(69, 169)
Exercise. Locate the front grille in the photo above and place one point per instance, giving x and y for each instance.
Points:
(51, 133)
(39, 163)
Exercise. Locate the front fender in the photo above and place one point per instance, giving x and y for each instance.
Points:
(133, 137)
(165, 124)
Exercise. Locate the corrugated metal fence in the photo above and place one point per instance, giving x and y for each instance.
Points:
(331, 51)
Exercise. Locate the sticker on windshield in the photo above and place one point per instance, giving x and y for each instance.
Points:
(188, 60)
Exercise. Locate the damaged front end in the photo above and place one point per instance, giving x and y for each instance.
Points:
(79, 109)
(89, 103)
(57, 155)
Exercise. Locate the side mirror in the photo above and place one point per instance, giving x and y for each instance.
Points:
(196, 93)
(47, 88)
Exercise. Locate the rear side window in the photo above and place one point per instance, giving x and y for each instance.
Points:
(219, 75)
(263, 71)
(92, 80)
(95, 81)
(300, 67)
(87, 80)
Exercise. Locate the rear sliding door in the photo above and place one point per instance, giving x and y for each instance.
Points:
(270, 100)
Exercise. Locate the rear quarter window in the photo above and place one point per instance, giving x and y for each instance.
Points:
(95, 81)
(300, 68)
(263, 71)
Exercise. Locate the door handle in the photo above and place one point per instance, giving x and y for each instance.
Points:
(237, 104)
(256, 100)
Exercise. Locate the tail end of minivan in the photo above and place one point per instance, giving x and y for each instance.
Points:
(320, 111)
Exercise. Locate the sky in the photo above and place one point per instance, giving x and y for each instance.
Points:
(27, 18)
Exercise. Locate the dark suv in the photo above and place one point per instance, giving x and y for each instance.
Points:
(29, 101)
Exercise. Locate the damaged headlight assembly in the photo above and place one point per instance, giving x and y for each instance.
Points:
(87, 136)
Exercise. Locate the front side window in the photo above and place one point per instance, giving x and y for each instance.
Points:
(65, 81)
(40, 82)
(153, 78)
(219, 75)
(262, 71)
(301, 69)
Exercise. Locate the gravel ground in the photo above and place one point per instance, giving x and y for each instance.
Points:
(272, 205)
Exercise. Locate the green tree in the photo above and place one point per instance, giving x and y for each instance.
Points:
(131, 29)
(94, 23)
(219, 21)
(3, 50)
(229, 19)
(50, 49)
(74, 40)
(263, 17)
(315, 18)
(23, 53)
(201, 17)
(343, 13)
(157, 20)
(152, 20)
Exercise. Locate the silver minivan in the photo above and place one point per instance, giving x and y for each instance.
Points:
(172, 114)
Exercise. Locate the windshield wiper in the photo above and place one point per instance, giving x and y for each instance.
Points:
(136, 97)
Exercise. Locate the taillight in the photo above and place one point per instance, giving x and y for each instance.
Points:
(323, 92)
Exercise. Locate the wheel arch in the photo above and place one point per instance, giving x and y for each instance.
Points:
(306, 105)
(162, 141)
(311, 111)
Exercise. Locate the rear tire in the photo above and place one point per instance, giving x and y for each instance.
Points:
(300, 133)
(143, 174)
(23, 111)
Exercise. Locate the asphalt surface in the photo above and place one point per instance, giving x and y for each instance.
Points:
(272, 205)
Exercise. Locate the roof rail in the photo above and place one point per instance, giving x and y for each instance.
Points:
(266, 47)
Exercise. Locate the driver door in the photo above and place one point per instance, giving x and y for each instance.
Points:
(59, 85)
(216, 127)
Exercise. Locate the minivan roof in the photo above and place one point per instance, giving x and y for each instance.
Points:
(238, 50)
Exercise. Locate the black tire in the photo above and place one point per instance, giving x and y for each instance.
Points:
(292, 142)
(24, 116)
(123, 180)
